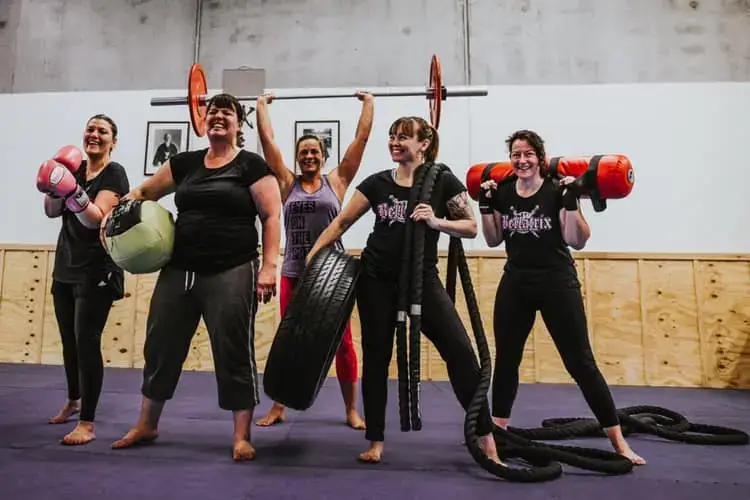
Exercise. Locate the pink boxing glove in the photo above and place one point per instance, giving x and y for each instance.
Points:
(69, 156)
(44, 175)
(56, 180)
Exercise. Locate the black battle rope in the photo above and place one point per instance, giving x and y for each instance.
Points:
(405, 392)
(408, 354)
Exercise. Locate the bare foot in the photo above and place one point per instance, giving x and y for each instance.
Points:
(276, 415)
(136, 436)
(373, 454)
(243, 451)
(487, 445)
(71, 408)
(82, 434)
(354, 420)
(628, 453)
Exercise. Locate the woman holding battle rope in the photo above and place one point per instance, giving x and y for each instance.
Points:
(311, 201)
(538, 220)
(413, 143)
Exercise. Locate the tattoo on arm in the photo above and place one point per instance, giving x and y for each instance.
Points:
(458, 207)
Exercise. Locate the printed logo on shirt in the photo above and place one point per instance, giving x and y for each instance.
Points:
(526, 222)
(300, 240)
(393, 210)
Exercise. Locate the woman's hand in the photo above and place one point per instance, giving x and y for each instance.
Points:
(310, 256)
(571, 192)
(265, 99)
(424, 212)
(489, 185)
(266, 287)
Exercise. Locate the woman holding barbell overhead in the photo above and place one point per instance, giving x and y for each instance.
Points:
(412, 143)
(538, 220)
(85, 280)
(311, 201)
(213, 272)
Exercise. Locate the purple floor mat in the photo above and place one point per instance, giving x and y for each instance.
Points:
(313, 454)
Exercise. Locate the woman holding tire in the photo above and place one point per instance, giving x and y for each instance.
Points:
(311, 201)
(413, 144)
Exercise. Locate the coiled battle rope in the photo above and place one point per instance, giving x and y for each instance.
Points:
(543, 461)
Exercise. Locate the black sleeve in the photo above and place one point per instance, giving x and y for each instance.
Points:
(183, 163)
(255, 168)
(115, 179)
(368, 186)
(451, 186)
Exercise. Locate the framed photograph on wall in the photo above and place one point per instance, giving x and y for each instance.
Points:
(164, 140)
(328, 131)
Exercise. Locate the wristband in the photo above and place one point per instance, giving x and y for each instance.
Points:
(77, 201)
(570, 201)
(485, 202)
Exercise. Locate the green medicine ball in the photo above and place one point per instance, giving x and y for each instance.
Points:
(139, 236)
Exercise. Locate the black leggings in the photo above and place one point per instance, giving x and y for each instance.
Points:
(82, 312)
(558, 297)
(376, 302)
(228, 302)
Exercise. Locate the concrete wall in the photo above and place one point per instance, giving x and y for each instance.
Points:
(66, 45)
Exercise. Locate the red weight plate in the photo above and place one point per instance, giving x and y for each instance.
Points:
(197, 102)
(436, 88)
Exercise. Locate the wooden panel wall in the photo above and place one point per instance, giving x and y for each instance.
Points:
(654, 320)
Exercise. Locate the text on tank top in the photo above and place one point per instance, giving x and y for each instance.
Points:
(306, 215)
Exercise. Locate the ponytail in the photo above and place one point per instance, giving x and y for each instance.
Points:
(431, 152)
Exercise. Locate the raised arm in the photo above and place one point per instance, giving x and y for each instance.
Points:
(350, 214)
(271, 151)
(341, 176)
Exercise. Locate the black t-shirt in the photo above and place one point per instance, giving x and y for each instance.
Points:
(531, 227)
(80, 256)
(381, 256)
(216, 213)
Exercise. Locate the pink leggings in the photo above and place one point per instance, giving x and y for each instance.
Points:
(346, 356)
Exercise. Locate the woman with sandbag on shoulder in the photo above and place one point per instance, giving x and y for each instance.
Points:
(538, 217)
(214, 271)
(311, 201)
(85, 280)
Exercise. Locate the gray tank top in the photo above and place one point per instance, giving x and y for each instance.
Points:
(306, 215)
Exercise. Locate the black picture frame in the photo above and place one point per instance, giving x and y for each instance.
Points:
(329, 132)
(156, 149)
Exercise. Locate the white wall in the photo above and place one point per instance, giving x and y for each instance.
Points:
(688, 143)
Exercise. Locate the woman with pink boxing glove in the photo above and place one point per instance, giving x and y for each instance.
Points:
(85, 280)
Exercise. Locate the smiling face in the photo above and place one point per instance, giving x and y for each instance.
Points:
(527, 155)
(100, 136)
(222, 124)
(224, 117)
(310, 155)
(412, 140)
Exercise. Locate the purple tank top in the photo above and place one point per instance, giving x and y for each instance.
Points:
(306, 215)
